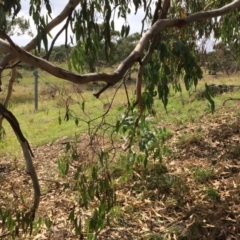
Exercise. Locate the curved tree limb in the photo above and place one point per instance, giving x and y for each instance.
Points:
(144, 61)
(9, 91)
(118, 74)
(65, 27)
(146, 14)
(38, 62)
(67, 11)
(72, 4)
(209, 5)
(231, 99)
(27, 152)
(148, 56)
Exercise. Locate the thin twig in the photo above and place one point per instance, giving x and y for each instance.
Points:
(65, 26)
(232, 99)
(108, 109)
(126, 91)
(143, 20)
(208, 5)
(15, 125)
(11, 66)
(97, 95)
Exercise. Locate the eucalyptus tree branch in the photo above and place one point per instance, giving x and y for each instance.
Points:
(72, 4)
(13, 65)
(209, 5)
(97, 95)
(27, 155)
(146, 14)
(144, 61)
(148, 56)
(10, 86)
(118, 74)
(65, 26)
(38, 62)
(9, 57)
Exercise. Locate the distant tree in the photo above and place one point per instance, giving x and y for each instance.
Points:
(60, 57)
(225, 58)
(18, 26)
(121, 47)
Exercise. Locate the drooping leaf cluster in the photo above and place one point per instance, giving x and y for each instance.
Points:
(8, 8)
(171, 62)
(35, 11)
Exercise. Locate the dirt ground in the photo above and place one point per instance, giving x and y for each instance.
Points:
(179, 204)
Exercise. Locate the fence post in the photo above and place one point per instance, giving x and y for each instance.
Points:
(35, 74)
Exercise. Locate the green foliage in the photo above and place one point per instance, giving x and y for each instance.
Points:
(98, 44)
(94, 38)
(213, 194)
(8, 8)
(48, 223)
(18, 221)
(18, 26)
(63, 166)
(92, 186)
(187, 64)
(150, 141)
(14, 221)
(40, 21)
(171, 62)
(209, 96)
(60, 57)
(203, 175)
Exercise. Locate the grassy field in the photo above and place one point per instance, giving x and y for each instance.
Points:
(48, 124)
(191, 194)
(43, 126)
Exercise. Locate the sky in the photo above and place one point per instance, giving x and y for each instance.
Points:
(57, 7)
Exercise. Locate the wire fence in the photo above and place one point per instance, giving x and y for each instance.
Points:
(57, 92)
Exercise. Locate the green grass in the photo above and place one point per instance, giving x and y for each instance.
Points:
(184, 108)
(213, 194)
(43, 126)
(173, 188)
(202, 175)
(39, 128)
